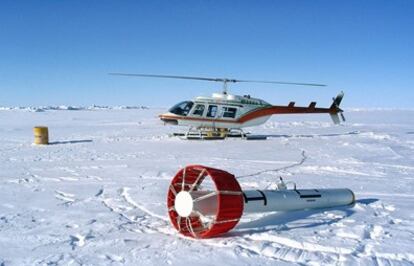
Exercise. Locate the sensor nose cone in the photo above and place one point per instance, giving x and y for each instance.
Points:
(183, 204)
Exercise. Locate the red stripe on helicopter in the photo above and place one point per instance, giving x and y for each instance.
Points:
(260, 113)
(273, 110)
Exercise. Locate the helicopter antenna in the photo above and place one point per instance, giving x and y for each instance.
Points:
(225, 81)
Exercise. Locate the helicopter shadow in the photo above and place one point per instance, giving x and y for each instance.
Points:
(70, 141)
(285, 221)
(307, 135)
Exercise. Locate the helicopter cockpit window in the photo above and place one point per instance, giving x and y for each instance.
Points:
(212, 111)
(199, 110)
(182, 108)
(229, 112)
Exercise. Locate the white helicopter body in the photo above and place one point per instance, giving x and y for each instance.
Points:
(235, 112)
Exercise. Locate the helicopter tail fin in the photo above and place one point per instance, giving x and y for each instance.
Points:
(337, 101)
(336, 112)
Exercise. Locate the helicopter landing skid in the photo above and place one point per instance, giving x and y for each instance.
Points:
(215, 134)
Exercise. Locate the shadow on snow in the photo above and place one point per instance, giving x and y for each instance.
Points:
(70, 141)
(284, 221)
(309, 135)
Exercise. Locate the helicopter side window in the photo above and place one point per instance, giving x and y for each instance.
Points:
(229, 112)
(182, 108)
(212, 111)
(199, 110)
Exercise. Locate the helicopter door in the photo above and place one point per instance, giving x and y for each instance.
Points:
(212, 111)
(229, 112)
(199, 110)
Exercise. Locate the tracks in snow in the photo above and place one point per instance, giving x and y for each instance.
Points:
(284, 168)
(144, 220)
(274, 244)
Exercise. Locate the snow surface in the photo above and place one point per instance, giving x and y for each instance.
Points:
(97, 195)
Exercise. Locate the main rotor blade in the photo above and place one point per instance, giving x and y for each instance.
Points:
(282, 82)
(215, 79)
(167, 76)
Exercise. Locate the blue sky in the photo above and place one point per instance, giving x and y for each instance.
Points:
(59, 52)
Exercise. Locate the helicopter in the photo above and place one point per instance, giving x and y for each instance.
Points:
(220, 115)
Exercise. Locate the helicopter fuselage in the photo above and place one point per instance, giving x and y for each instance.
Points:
(227, 111)
(218, 111)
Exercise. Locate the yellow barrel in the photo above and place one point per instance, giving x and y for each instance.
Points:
(41, 135)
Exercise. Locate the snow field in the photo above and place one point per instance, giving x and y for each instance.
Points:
(97, 195)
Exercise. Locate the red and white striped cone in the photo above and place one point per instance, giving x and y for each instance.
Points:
(185, 199)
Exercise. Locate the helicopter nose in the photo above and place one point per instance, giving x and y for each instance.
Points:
(168, 119)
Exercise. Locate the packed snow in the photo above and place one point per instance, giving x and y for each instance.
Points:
(97, 194)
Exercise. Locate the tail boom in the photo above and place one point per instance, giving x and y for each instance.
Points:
(333, 110)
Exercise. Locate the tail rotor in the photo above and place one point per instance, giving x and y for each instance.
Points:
(336, 112)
